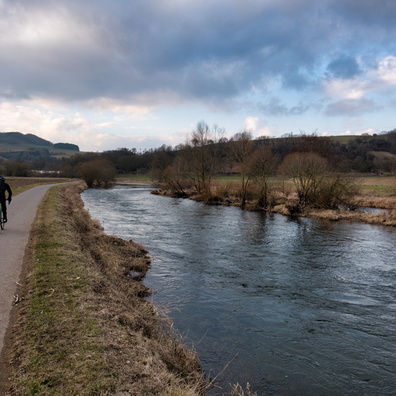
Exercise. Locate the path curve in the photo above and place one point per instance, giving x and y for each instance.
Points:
(13, 241)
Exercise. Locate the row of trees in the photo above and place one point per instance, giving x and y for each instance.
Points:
(206, 155)
(361, 154)
(309, 160)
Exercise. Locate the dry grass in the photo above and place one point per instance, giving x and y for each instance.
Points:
(20, 184)
(84, 326)
(377, 186)
(372, 192)
(386, 218)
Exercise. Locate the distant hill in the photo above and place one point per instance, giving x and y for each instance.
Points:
(29, 147)
(67, 146)
(19, 139)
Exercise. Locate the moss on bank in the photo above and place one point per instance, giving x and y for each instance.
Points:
(83, 325)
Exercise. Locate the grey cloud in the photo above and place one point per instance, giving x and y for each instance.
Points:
(366, 12)
(351, 107)
(344, 67)
(207, 50)
(275, 107)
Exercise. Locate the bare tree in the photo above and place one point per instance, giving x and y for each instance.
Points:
(200, 155)
(307, 170)
(162, 159)
(315, 183)
(262, 164)
(176, 177)
(241, 147)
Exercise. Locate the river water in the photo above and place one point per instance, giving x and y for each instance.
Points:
(294, 307)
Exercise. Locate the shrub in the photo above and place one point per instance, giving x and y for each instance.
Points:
(335, 190)
(307, 170)
(99, 172)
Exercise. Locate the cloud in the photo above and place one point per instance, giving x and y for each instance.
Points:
(386, 71)
(366, 13)
(150, 52)
(143, 51)
(53, 124)
(58, 124)
(251, 123)
(275, 107)
(375, 81)
(344, 67)
(351, 107)
(125, 60)
(119, 108)
(349, 89)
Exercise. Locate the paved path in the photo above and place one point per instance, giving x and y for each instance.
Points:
(13, 240)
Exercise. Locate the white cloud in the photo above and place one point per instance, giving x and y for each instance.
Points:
(96, 132)
(122, 107)
(386, 71)
(53, 124)
(372, 81)
(255, 125)
(42, 34)
(354, 88)
(251, 123)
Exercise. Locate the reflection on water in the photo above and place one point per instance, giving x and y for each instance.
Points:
(299, 307)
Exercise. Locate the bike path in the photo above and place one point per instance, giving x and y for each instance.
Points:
(13, 241)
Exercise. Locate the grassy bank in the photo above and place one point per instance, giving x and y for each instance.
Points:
(20, 184)
(371, 191)
(83, 324)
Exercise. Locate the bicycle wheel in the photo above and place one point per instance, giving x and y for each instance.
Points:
(1, 218)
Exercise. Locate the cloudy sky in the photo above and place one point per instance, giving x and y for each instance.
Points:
(105, 74)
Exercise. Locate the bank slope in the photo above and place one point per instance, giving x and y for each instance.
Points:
(83, 324)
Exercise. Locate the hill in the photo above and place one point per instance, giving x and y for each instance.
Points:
(19, 139)
(29, 147)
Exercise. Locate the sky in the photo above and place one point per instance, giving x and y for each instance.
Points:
(108, 74)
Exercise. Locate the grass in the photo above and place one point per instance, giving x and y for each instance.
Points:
(57, 342)
(53, 151)
(135, 178)
(378, 185)
(84, 325)
(369, 185)
(20, 184)
(344, 139)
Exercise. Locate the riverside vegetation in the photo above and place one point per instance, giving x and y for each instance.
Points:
(332, 196)
(307, 182)
(83, 325)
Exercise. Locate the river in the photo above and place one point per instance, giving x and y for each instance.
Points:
(292, 306)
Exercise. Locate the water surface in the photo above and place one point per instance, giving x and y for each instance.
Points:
(294, 307)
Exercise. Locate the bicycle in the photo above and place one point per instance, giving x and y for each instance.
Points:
(2, 222)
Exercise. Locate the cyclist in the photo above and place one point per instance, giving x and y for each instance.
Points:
(3, 188)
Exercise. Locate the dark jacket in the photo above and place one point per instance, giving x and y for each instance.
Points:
(3, 188)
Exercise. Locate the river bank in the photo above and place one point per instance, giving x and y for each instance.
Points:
(290, 305)
(83, 324)
(282, 201)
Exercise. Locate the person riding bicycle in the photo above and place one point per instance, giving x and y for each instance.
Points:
(3, 188)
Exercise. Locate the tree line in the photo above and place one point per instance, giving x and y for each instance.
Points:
(315, 164)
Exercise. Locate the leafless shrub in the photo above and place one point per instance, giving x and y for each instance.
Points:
(307, 170)
(335, 190)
